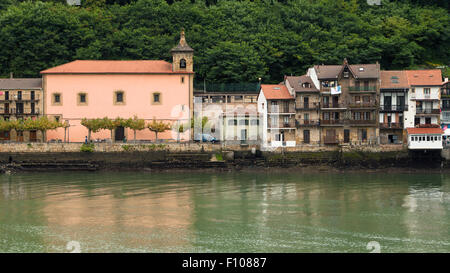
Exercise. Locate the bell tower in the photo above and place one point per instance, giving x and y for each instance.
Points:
(182, 56)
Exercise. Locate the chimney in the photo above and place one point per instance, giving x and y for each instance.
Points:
(11, 75)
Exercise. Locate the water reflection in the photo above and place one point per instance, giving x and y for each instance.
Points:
(233, 212)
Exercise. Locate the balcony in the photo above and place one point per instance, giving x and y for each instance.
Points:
(368, 122)
(306, 123)
(422, 111)
(391, 125)
(13, 111)
(331, 122)
(333, 106)
(352, 89)
(276, 109)
(279, 124)
(24, 97)
(330, 140)
(363, 105)
(393, 108)
(307, 106)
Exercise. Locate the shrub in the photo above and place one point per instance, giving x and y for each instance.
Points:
(88, 148)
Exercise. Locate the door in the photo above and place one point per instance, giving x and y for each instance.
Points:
(306, 102)
(427, 120)
(400, 103)
(387, 103)
(6, 108)
(306, 136)
(119, 134)
(346, 135)
(244, 135)
(19, 136)
(335, 101)
(33, 136)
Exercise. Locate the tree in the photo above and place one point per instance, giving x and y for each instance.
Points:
(158, 127)
(93, 125)
(135, 124)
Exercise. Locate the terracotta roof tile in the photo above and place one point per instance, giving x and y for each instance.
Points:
(424, 77)
(276, 92)
(424, 131)
(394, 79)
(112, 67)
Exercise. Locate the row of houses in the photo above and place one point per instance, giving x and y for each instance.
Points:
(329, 105)
(341, 104)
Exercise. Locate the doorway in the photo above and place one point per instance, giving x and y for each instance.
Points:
(119, 134)
(346, 135)
(33, 136)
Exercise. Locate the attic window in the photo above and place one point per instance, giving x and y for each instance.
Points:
(307, 85)
(394, 79)
(276, 88)
(361, 69)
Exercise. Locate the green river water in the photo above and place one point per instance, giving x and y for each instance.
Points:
(224, 212)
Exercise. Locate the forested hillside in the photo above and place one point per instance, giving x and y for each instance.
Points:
(234, 41)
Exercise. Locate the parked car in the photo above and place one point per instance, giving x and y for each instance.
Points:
(205, 138)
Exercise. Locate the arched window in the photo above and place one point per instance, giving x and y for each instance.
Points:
(182, 63)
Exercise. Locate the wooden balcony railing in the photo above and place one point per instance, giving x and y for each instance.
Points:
(363, 121)
(306, 123)
(393, 107)
(361, 88)
(391, 125)
(362, 105)
(428, 111)
(331, 121)
(332, 105)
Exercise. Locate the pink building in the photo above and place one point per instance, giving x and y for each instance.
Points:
(96, 89)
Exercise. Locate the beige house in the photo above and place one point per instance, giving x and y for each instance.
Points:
(307, 106)
(20, 99)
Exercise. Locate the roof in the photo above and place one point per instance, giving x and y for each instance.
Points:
(113, 67)
(297, 83)
(276, 92)
(30, 83)
(424, 77)
(394, 79)
(415, 131)
(363, 71)
(182, 45)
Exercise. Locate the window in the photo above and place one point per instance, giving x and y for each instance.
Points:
(306, 117)
(56, 99)
(156, 98)
(366, 115)
(426, 91)
(182, 63)
(413, 90)
(57, 118)
(182, 79)
(254, 122)
(82, 99)
(243, 122)
(357, 116)
(119, 98)
(236, 98)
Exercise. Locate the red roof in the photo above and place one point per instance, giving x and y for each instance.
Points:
(438, 131)
(113, 67)
(424, 77)
(276, 92)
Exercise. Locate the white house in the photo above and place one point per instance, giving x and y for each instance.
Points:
(277, 108)
(424, 98)
(424, 138)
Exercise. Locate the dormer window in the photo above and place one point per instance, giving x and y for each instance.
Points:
(361, 69)
(182, 63)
